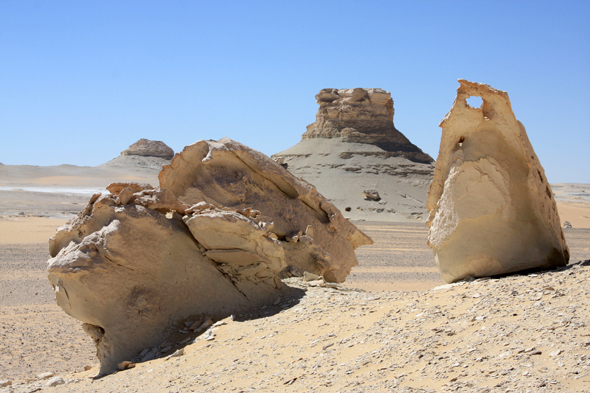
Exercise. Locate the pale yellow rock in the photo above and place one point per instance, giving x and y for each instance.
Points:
(128, 272)
(229, 174)
(491, 209)
(125, 365)
(213, 241)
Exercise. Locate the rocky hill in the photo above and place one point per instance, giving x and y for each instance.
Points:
(356, 157)
(144, 154)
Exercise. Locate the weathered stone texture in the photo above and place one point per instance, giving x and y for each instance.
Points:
(491, 208)
(226, 225)
(361, 116)
(354, 146)
(147, 148)
(229, 174)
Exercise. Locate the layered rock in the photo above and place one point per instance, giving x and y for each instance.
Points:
(215, 239)
(229, 174)
(354, 146)
(143, 154)
(133, 272)
(491, 208)
(362, 116)
(147, 148)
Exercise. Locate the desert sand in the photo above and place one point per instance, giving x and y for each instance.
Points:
(386, 327)
(573, 203)
(498, 334)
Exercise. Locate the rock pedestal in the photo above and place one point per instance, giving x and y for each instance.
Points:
(143, 154)
(361, 116)
(491, 208)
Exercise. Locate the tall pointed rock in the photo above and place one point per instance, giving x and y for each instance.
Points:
(491, 208)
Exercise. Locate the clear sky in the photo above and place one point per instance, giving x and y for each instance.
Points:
(82, 80)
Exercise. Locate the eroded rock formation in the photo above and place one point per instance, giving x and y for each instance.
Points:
(225, 225)
(354, 146)
(229, 174)
(147, 148)
(145, 154)
(491, 208)
(361, 116)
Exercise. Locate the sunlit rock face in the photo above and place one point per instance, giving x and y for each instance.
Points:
(361, 116)
(133, 271)
(143, 154)
(226, 224)
(354, 146)
(491, 209)
(315, 235)
(147, 148)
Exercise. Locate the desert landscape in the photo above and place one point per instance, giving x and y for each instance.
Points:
(389, 324)
(392, 325)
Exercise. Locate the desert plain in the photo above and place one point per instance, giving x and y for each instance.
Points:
(392, 326)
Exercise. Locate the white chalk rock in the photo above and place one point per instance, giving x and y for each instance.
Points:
(491, 208)
(55, 381)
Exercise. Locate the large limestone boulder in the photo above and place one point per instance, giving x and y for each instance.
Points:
(226, 225)
(491, 208)
(315, 235)
(128, 271)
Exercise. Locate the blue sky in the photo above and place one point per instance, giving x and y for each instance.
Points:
(82, 80)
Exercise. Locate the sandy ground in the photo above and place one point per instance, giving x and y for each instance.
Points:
(28, 230)
(37, 336)
(395, 333)
(519, 333)
(573, 203)
(577, 214)
(18, 176)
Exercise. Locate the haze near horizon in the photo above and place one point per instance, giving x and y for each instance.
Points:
(81, 81)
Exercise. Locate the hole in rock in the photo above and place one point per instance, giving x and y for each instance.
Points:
(474, 102)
